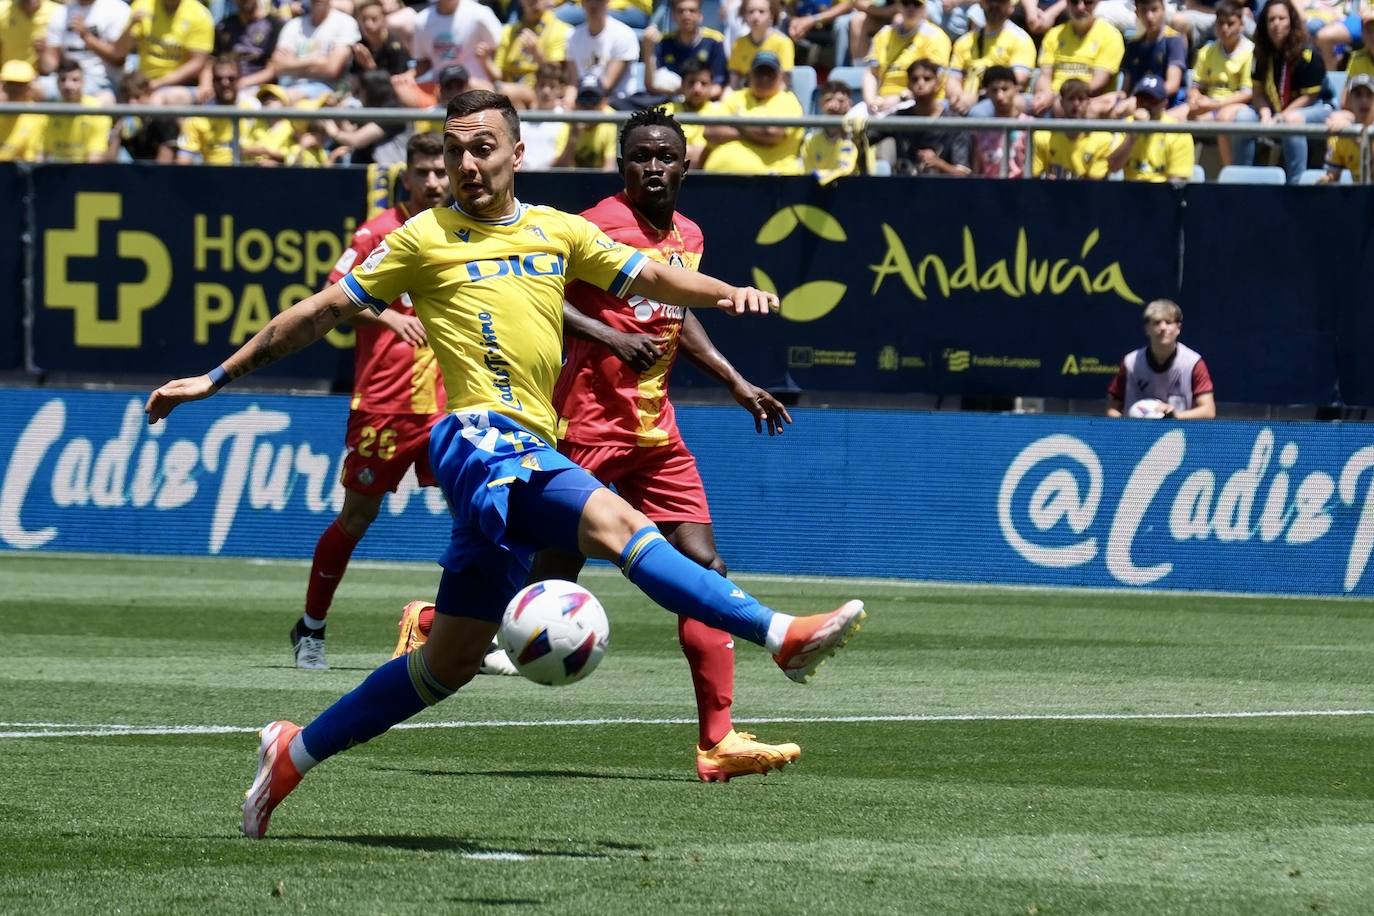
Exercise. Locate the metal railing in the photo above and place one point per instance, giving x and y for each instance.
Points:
(889, 125)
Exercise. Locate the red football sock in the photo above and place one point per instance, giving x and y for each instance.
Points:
(332, 553)
(711, 655)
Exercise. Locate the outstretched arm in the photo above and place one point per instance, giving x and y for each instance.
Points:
(297, 327)
(638, 351)
(766, 409)
(679, 286)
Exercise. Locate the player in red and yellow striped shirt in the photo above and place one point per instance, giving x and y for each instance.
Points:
(615, 418)
(398, 394)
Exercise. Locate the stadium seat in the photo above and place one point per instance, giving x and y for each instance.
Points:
(804, 87)
(882, 168)
(853, 77)
(636, 83)
(1335, 83)
(1311, 176)
(1251, 174)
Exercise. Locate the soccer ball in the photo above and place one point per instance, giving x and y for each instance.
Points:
(1148, 409)
(555, 632)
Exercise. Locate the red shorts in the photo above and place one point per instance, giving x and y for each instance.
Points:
(660, 481)
(382, 447)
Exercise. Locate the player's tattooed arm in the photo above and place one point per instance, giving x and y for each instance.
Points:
(297, 327)
(679, 286)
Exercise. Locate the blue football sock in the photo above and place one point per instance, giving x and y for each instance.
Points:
(391, 694)
(691, 590)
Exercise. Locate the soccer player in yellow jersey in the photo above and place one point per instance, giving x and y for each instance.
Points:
(1072, 155)
(896, 47)
(486, 277)
(75, 138)
(1084, 48)
(1222, 84)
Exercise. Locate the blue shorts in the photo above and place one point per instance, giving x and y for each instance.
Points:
(511, 495)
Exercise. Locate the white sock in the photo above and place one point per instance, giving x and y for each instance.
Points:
(777, 632)
(300, 756)
(311, 623)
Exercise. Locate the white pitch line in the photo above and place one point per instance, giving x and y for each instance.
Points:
(81, 730)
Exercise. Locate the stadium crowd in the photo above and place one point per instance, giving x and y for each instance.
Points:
(1290, 61)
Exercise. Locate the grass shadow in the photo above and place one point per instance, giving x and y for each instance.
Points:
(540, 774)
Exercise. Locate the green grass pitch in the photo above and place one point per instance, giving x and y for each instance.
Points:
(972, 751)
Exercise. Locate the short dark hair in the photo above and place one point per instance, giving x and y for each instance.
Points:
(226, 60)
(998, 74)
(427, 145)
(833, 87)
(549, 71)
(691, 67)
(650, 117)
(475, 100)
(1074, 89)
(924, 63)
(1227, 9)
(67, 65)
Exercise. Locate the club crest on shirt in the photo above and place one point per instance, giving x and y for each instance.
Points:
(378, 254)
(539, 232)
(464, 235)
(675, 260)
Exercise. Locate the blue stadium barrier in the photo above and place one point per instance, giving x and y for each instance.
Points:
(1251, 174)
(1284, 508)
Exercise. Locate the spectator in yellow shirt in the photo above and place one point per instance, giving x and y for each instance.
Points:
(758, 15)
(895, 48)
(1065, 156)
(834, 152)
(1343, 153)
(173, 39)
(24, 30)
(1154, 157)
(1361, 62)
(211, 139)
(538, 38)
(698, 83)
(590, 146)
(21, 136)
(75, 138)
(270, 139)
(1084, 48)
(757, 150)
(999, 43)
(1222, 85)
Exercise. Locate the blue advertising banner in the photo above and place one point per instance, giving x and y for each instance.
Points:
(1230, 506)
(11, 268)
(166, 270)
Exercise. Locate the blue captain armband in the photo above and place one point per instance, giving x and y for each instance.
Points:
(218, 377)
(359, 296)
(620, 286)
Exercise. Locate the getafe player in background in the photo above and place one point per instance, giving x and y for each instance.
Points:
(615, 419)
(487, 278)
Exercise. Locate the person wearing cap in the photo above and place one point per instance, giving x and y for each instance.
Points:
(603, 47)
(1062, 155)
(85, 31)
(757, 150)
(173, 40)
(454, 80)
(1361, 63)
(1084, 48)
(24, 30)
(268, 140)
(758, 15)
(910, 37)
(314, 51)
(21, 136)
(1343, 153)
(1154, 157)
(538, 38)
(1222, 86)
(590, 146)
(80, 137)
(210, 140)
(1155, 50)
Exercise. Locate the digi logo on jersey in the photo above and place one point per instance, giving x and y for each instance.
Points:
(538, 264)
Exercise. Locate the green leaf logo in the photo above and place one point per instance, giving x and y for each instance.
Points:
(820, 222)
(764, 282)
(811, 300)
(778, 227)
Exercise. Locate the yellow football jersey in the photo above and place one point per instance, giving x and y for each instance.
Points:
(165, 41)
(1062, 156)
(743, 50)
(1343, 153)
(695, 133)
(1069, 56)
(490, 295)
(21, 137)
(744, 157)
(517, 65)
(974, 52)
(20, 29)
(893, 54)
(1218, 75)
(76, 138)
(1161, 157)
